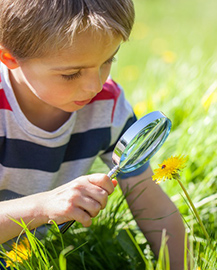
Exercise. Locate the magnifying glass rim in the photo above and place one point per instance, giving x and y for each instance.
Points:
(132, 132)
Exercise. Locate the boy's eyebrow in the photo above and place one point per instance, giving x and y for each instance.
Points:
(80, 67)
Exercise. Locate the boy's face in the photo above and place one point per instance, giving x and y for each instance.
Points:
(69, 79)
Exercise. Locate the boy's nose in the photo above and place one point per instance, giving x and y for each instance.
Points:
(93, 83)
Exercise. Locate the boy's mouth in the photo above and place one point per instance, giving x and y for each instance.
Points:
(83, 102)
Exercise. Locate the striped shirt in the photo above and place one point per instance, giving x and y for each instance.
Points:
(33, 160)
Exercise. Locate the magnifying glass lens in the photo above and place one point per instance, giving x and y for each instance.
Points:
(144, 145)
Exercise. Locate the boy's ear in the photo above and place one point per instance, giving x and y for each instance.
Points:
(7, 58)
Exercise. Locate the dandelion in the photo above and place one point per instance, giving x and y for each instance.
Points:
(171, 169)
(19, 253)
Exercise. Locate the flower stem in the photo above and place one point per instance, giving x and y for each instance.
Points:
(195, 210)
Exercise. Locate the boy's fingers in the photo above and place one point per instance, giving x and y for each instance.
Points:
(91, 206)
(114, 182)
(103, 181)
(82, 216)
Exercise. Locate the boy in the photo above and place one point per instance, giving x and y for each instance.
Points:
(59, 112)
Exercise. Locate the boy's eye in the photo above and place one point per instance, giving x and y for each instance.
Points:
(111, 60)
(78, 74)
(71, 76)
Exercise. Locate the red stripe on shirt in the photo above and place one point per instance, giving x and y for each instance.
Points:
(4, 104)
(110, 91)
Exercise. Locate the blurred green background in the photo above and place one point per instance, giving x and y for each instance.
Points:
(169, 64)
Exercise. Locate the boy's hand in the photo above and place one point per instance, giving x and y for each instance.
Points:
(80, 199)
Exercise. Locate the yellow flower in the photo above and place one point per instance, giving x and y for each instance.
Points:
(169, 169)
(19, 253)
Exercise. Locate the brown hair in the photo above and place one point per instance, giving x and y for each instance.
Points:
(31, 28)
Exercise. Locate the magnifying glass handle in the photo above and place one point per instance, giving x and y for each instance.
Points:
(65, 226)
(113, 172)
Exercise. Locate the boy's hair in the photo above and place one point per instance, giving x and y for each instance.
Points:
(33, 28)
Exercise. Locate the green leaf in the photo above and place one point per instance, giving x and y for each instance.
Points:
(126, 243)
(62, 257)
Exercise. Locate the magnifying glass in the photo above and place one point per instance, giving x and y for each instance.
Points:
(136, 146)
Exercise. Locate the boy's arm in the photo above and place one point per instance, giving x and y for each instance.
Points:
(148, 210)
(80, 199)
(28, 208)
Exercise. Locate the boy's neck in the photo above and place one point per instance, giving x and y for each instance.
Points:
(36, 111)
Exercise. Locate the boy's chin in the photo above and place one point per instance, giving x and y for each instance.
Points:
(74, 109)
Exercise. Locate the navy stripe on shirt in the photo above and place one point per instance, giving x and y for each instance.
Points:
(87, 144)
(15, 153)
(8, 195)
